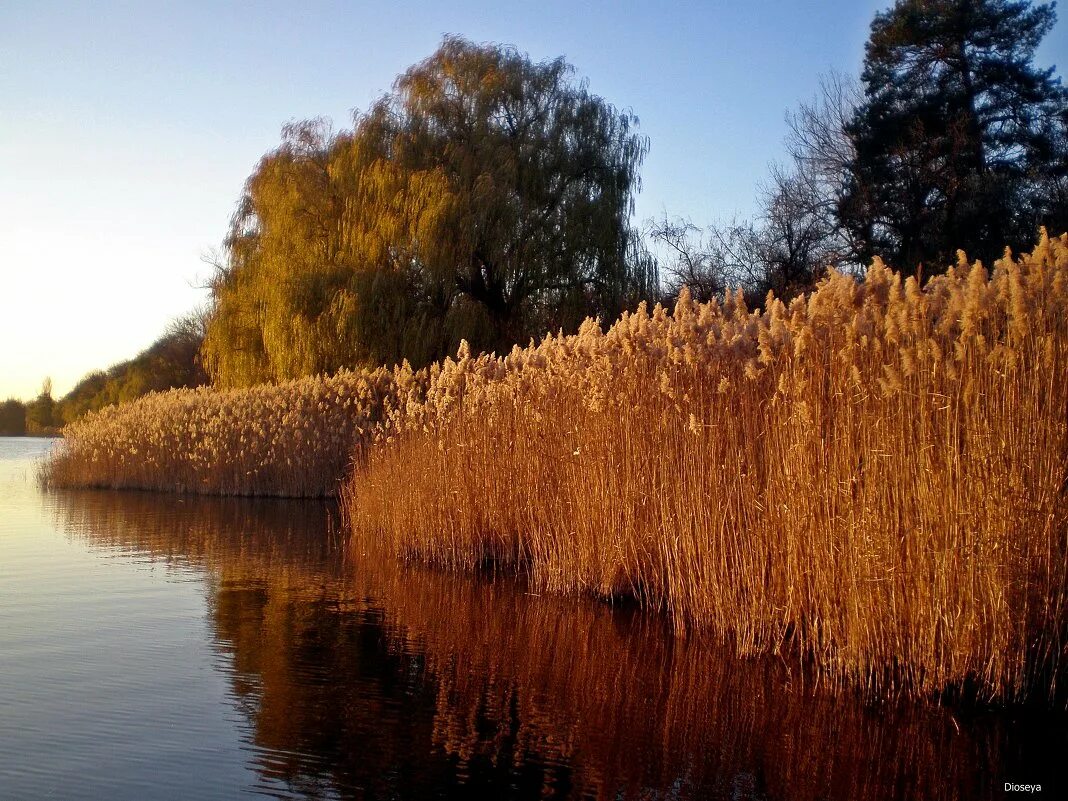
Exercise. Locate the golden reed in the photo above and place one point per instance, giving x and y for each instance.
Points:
(873, 477)
(296, 439)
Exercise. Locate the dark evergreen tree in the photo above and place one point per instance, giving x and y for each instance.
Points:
(960, 140)
(12, 418)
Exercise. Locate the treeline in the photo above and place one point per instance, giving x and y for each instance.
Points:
(38, 417)
(489, 198)
(171, 362)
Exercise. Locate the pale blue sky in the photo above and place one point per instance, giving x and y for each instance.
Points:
(127, 129)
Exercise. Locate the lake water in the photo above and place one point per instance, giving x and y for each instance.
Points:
(156, 647)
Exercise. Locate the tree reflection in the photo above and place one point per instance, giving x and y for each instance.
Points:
(361, 677)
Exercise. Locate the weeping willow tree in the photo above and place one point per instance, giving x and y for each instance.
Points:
(487, 197)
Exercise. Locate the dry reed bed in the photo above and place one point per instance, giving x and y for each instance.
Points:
(874, 474)
(291, 439)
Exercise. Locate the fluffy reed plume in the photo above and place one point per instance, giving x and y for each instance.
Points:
(873, 477)
(290, 439)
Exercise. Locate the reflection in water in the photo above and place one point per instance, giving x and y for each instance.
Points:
(365, 678)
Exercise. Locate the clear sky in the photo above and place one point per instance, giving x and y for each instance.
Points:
(128, 129)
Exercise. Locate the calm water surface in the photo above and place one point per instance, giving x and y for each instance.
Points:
(153, 646)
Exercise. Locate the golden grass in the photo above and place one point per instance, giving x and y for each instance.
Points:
(872, 477)
(297, 438)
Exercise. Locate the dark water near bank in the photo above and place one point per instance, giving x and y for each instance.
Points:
(161, 647)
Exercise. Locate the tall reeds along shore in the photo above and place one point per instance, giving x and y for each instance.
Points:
(872, 478)
(292, 439)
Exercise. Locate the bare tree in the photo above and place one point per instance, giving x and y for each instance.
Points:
(691, 261)
(821, 159)
(796, 234)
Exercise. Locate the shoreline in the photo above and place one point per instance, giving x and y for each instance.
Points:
(874, 472)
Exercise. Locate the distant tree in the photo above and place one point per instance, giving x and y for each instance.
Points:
(792, 244)
(690, 261)
(487, 197)
(781, 251)
(12, 418)
(171, 361)
(91, 393)
(960, 140)
(40, 412)
(769, 254)
(809, 190)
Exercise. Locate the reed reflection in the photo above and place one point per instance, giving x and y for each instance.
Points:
(362, 677)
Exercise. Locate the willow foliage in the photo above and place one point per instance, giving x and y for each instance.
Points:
(486, 198)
